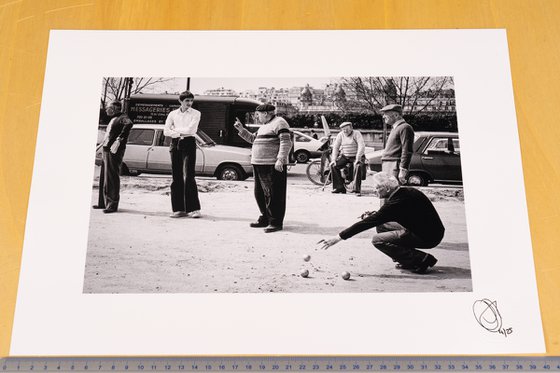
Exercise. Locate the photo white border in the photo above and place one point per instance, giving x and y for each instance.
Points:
(54, 317)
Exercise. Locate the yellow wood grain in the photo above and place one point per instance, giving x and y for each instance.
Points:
(533, 29)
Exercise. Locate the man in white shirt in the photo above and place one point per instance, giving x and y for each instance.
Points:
(181, 125)
(348, 147)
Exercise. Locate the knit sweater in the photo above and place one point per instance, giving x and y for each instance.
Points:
(410, 208)
(350, 146)
(399, 144)
(270, 143)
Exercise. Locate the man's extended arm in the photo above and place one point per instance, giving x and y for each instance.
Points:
(385, 214)
(126, 128)
(247, 135)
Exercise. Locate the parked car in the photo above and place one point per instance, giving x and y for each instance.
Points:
(147, 151)
(436, 157)
(305, 147)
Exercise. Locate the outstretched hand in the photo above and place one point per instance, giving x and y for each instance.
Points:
(237, 124)
(326, 243)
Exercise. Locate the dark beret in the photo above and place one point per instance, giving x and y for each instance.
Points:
(393, 107)
(265, 107)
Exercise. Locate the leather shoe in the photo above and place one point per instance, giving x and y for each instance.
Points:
(194, 214)
(258, 224)
(339, 191)
(272, 228)
(97, 207)
(428, 262)
(109, 211)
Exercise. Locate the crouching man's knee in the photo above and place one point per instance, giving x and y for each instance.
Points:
(378, 241)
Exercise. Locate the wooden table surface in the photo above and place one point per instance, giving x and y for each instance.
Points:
(533, 29)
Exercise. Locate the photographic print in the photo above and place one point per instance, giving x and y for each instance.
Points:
(143, 237)
(338, 194)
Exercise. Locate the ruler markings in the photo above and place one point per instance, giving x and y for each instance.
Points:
(283, 364)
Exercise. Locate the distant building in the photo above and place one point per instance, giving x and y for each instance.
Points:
(333, 98)
(319, 101)
(249, 94)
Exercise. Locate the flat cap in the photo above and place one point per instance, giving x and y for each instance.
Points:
(392, 107)
(344, 124)
(265, 107)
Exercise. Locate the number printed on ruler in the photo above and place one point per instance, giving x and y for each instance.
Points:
(284, 364)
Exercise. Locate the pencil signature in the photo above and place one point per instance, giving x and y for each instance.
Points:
(487, 314)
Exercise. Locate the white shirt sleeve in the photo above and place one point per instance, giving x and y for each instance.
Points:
(168, 129)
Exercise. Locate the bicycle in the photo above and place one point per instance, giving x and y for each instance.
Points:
(318, 170)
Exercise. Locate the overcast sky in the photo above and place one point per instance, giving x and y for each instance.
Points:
(200, 85)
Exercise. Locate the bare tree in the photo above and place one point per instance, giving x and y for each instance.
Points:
(119, 88)
(414, 94)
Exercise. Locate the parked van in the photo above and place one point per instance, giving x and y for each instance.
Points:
(218, 113)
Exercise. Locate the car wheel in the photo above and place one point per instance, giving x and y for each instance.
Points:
(230, 172)
(417, 180)
(302, 156)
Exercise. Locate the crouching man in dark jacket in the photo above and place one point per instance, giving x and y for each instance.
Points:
(406, 222)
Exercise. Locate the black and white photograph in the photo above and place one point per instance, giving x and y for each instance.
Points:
(290, 185)
(260, 193)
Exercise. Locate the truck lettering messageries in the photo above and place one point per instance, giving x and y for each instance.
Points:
(141, 108)
(218, 113)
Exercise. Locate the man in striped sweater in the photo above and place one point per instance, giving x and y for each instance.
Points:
(348, 147)
(269, 156)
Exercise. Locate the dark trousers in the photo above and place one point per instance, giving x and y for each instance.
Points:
(110, 174)
(270, 193)
(184, 192)
(338, 180)
(101, 194)
(400, 244)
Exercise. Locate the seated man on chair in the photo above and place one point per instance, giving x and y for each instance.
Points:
(348, 147)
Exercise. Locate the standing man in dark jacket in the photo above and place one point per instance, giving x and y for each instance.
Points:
(269, 157)
(114, 146)
(407, 221)
(398, 149)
